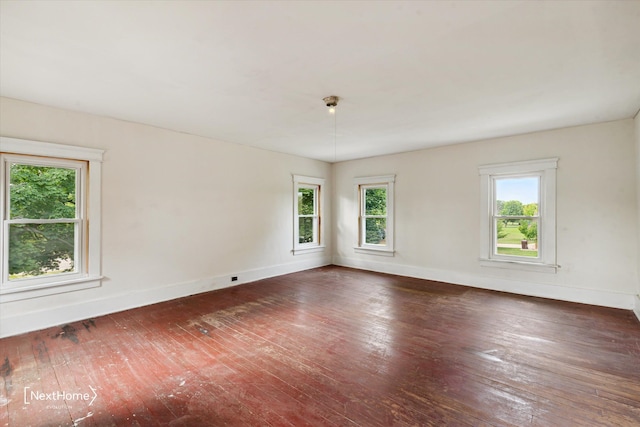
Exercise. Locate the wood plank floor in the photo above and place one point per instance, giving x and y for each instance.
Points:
(331, 347)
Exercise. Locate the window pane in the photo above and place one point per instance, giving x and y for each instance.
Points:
(517, 196)
(376, 231)
(305, 230)
(42, 192)
(37, 249)
(518, 238)
(306, 200)
(375, 201)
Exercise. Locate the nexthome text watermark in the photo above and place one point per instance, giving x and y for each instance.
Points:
(32, 395)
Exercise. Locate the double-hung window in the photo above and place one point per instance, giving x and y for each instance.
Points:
(307, 229)
(518, 219)
(375, 214)
(49, 194)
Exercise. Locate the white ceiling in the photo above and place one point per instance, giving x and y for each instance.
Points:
(411, 74)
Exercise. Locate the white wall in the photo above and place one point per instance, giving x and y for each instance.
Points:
(437, 213)
(181, 213)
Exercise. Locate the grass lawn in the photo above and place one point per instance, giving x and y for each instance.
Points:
(518, 252)
(514, 236)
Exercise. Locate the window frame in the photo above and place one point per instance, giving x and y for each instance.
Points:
(87, 260)
(361, 185)
(316, 184)
(545, 169)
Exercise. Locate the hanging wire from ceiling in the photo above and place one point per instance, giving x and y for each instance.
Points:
(335, 136)
(332, 102)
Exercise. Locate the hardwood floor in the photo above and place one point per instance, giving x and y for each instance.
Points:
(331, 346)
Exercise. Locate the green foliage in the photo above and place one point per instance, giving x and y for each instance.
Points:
(530, 210)
(375, 200)
(500, 231)
(305, 230)
(39, 192)
(529, 230)
(376, 230)
(38, 248)
(306, 200)
(512, 208)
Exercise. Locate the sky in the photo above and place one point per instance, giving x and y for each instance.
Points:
(522, 189)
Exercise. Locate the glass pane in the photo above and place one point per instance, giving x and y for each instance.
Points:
(375, 201)
(37, 249)
(42, 192)
(518, 238)
(517, 196)
(375, 231)
(305, 229)
(306, 200)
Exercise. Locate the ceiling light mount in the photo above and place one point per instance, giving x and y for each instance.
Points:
(331, 101)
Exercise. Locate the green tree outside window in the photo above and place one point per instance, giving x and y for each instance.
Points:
(41, 193)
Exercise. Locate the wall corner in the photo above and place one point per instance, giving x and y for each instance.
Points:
(636, 128)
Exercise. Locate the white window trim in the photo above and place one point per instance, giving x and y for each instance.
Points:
(546, 169)
(301, 181)
(365, 248)
(91, 276)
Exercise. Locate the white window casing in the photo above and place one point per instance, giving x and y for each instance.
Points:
(361, 185)
(545, 171)
(317, 242)
(87, 260)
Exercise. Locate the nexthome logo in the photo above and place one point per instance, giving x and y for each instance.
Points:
(31, 395)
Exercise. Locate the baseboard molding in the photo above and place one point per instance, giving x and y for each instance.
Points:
(42, 319)
(564, 293)
(33, 321)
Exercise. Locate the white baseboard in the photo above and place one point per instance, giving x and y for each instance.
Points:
(564, 293)
(32, 321)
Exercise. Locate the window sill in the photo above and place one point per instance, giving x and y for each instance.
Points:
(8, 294)
(309, 250)
(374, 251)
(519, 265)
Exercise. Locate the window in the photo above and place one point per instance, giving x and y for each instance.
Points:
(375, 215)
(518, 215)
(307, 228)
(49, 192)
